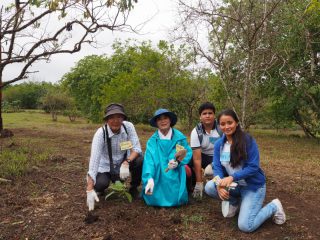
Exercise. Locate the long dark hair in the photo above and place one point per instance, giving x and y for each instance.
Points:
(238, 151)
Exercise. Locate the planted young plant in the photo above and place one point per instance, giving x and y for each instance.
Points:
(120, 190)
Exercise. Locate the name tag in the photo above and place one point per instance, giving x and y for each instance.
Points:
(125, 145)
(213, 139)
(225, 157)
(179, 147)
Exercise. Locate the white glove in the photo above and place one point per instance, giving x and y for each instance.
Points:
(172, 164)
(91, 197)
(124, 171)
(198, 189)
(208, 171)
(149, 187)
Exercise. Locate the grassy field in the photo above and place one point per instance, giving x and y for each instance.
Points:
(39, 120)
(279, 150)
(45, 163)
(26, 152)
(283, 149)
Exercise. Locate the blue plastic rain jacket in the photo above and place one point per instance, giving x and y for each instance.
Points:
(169, 187)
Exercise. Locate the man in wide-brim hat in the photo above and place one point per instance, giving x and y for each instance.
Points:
(115, 152)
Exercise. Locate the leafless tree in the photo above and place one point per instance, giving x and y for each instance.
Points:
(235, 38)
(35, 30)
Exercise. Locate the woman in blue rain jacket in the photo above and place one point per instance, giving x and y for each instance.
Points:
(167, 153)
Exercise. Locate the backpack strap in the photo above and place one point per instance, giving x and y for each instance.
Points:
(104, 129)
(126, 153)
(109, 149)
(199, 130)
(125, 128)
(104, 133)
(216, 125)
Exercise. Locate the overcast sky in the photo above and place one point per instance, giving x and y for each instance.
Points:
(161, 13)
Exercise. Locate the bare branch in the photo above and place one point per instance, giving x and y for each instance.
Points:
(29, 43)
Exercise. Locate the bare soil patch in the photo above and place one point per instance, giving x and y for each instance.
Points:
(49, 202)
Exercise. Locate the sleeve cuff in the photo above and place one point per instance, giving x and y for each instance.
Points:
(93, 178)
(235, 178)
(194, 148)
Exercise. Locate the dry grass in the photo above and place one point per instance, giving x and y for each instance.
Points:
(291, 160)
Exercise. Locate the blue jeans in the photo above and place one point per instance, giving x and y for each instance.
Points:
(251, 214)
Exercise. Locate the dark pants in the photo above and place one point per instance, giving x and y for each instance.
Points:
(135, 168)
(205, 161)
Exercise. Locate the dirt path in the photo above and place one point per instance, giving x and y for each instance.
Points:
(49, 203)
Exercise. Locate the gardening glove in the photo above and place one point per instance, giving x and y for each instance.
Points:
(208, 171)
(198, 190)
(149, 187)
(172, 164)
(91, 197)
(124, 171)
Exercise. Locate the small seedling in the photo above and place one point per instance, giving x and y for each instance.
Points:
(178, 148)
(119, 189)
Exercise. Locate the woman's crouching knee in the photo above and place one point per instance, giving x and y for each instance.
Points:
(246, 228)
(210, 189)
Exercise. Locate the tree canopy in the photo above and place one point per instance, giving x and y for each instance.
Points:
(265, 53)
(143, 79)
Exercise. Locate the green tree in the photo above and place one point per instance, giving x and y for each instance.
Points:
(27, 94)
(86, 81)
(238, 41)
(294, 81)
(156, 78)
(56, 102)
(142, 78)
(34, 30)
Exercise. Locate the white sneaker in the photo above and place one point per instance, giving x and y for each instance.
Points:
(279, 217)
(229, 210)
(208, 172)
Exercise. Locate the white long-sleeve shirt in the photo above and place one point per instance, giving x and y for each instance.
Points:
(99, 158)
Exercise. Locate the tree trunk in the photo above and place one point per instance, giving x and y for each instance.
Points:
(1, 122)
(246, 84)
(72, 118)
(1, 73)
(300, 122)
(54, 116)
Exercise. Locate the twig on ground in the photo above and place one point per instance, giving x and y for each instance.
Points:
(5, 180)
(53, 177)
(56, 178)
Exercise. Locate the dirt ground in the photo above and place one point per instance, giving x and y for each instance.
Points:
(49, 202)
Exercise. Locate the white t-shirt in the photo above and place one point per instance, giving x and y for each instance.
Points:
(168, 136)
(208, 141)
(225, 161)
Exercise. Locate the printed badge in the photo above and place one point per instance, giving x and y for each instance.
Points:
(125, 145)
(212, 140)
(225, 157)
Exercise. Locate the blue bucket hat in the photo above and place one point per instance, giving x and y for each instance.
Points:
(162, 111)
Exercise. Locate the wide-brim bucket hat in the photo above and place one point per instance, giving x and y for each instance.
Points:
(163, 111)
(114, 108)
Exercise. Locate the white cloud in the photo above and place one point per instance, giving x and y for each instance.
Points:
(158, 16)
